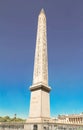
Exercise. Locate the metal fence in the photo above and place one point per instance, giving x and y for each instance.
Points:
(44, 126)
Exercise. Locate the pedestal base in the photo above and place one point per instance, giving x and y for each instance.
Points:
(38, 120)
(37, 123)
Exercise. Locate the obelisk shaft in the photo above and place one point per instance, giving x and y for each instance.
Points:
(40, 99)
(40, 74)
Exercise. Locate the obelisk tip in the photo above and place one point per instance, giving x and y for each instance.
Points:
(42, 11)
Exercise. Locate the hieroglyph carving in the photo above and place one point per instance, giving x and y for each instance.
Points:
(40, 74)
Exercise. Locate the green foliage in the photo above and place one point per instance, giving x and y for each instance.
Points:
(2, 119)
(8, 119)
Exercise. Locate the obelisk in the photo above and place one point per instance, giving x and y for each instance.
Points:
(40, 100)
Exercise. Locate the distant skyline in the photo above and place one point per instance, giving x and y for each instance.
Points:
(18, 28)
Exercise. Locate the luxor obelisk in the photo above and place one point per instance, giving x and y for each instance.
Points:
(40, 100)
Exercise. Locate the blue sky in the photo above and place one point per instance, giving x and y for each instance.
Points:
(18, 26)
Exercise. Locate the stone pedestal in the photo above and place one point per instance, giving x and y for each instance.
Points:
(39, 102)
(33, 126)
(39, 107)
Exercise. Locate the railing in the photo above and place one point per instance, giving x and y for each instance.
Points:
(45, 126)
(11, 126)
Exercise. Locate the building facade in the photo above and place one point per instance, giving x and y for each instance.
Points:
(73, 118)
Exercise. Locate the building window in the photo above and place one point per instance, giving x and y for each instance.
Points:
(35, 127)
